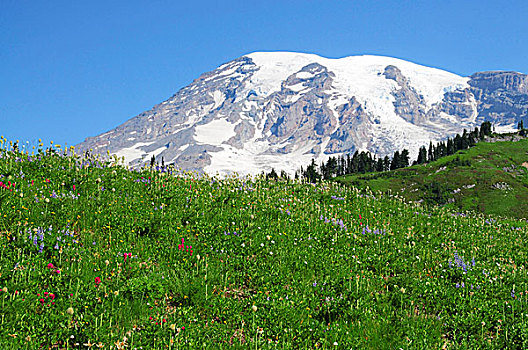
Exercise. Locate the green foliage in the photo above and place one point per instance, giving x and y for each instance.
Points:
(491, 177)
(163, 259)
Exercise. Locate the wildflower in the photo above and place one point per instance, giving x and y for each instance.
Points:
(50, 266)
(97, 281)
(4, 289)
(254, 308)
(173, 327)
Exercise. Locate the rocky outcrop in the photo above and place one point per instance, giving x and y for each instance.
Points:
(407, 102)
(501, 96)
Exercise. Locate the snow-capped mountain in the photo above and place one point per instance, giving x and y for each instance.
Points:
(281, 109)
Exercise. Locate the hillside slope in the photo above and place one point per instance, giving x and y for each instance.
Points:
(96, 255)
(491, 177)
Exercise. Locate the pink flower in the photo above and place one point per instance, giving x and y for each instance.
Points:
(97, 280)
(183, 328)
(57, 272)
(52, 296)
(74, 187)
(50, 266)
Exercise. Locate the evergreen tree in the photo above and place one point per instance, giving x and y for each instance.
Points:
(422, 156)
(404, 158)
(395, 162)
(311, 173)
(485, 130)
(430, 153)
(348, 165)
(272, 175)
(450, 147)
(379, 165)
(386, 163)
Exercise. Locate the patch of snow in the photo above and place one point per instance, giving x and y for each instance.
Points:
(215, 132)
(219, 98)
(304, 75)
(132, 153)
(155, 152)
(503, 129)
(297, 87)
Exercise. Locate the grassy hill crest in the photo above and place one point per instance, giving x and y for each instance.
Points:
(491, 177)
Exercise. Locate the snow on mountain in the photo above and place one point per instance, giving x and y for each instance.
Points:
(282, 109)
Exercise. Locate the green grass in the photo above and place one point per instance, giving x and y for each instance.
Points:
(310, 266)
(466, 181)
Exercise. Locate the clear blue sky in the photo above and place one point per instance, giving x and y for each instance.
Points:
(72, 69)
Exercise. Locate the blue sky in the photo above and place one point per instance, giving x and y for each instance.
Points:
(73, 69)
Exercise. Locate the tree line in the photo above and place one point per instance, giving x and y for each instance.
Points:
(365, 162)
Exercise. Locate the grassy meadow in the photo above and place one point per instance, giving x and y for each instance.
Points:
(93, 255)
(490, 177)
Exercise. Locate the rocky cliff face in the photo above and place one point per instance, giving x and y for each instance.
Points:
(501, 95)
(282, 109)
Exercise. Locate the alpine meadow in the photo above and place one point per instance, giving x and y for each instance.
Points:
(97, 255)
